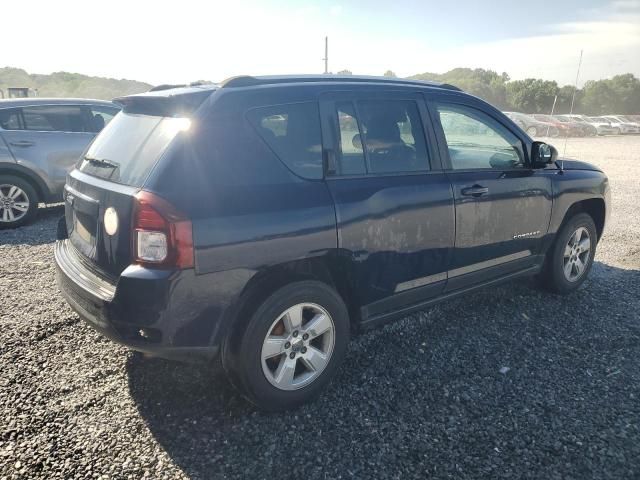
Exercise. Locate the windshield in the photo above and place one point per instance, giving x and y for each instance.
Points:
(129, 146)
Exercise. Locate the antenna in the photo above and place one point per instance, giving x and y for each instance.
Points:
(326, 55)
(573, 98)
(553, 107)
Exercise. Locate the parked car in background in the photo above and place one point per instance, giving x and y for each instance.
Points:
(629, 119)
(535, 128)
(266, 219)
(565, 129)
(40, 142)
(620, 125)
(587, 129)
(575, 128)
(603, 126)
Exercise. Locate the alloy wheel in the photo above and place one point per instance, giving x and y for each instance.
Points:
(298, 346)
(576, 254)
(14, 203)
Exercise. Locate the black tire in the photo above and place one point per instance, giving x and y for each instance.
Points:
(243, 361)
(28, 193)
(553, 276)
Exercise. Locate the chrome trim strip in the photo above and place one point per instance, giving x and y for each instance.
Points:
(488, 263)
(420, 282)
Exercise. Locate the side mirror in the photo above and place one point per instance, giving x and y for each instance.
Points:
(543, 154)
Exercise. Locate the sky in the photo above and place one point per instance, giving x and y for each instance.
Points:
(182, 41)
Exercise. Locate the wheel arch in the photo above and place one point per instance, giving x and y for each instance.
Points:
(329, 269)
(28, 176)
(594, 207)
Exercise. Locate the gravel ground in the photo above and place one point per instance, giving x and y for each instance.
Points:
(507, 383)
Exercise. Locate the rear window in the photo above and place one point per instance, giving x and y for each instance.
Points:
(129, 146)
(293, 133)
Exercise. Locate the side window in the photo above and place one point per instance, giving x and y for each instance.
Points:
(54, 118)
(293, 133)
(10, 119)
(350, 159)
(99, 117)
(476, 141)
(381, 136)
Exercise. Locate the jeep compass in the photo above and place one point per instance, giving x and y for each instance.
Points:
(264, 220)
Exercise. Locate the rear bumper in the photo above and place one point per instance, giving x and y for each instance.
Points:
(152, 311)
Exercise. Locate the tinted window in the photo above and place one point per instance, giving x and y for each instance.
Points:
(350, 159)
(293, 133)
(128, 147)
(380, 136)
(393, 136)
(99, 117)
(10, 119)
(475, 140)
(54, 118)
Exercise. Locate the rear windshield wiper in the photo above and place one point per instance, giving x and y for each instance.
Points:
(102, 162)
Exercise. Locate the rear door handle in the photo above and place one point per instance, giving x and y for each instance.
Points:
(23, 143)
(475, 191)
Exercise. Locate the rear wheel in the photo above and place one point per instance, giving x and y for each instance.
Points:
(292, 346)
(532, 131)
(570, 258)
(18, 201)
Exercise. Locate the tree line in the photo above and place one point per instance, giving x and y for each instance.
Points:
(64, 84)
(617, 95)
(620, 94)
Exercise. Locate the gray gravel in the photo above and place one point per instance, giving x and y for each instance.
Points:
(507, 383)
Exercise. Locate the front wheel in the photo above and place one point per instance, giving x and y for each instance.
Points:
(292, 346)
(532, 131)
(570, 258)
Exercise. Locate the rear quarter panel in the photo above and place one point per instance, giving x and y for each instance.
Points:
(249, 211)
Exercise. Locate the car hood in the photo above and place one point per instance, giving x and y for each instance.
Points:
(570, 164)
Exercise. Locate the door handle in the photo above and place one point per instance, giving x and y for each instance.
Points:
(475, 191)
(23, 143)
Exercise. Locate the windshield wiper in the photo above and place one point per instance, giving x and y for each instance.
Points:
(102, 162)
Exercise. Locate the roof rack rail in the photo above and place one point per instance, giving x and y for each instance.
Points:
(251, 81)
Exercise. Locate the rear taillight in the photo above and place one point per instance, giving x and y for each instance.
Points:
(162, 236)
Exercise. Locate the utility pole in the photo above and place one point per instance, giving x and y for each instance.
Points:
(326, 55)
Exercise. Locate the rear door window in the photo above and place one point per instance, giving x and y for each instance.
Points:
(99, 117)
(292, 131)
(54, 118)
(380, 137)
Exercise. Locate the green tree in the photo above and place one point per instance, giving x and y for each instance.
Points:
(486, 84)
(531, 95)
(390, 73)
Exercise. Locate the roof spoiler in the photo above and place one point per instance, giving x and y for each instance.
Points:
(170, 101)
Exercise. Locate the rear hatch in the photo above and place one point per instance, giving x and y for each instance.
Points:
(115, 168)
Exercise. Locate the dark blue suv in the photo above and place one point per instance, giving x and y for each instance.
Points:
(266, 219)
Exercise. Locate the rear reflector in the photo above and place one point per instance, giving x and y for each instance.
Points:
(162, 235)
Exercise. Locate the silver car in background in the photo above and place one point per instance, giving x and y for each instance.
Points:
(603, 126)
(40, 141)
(622, 126)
